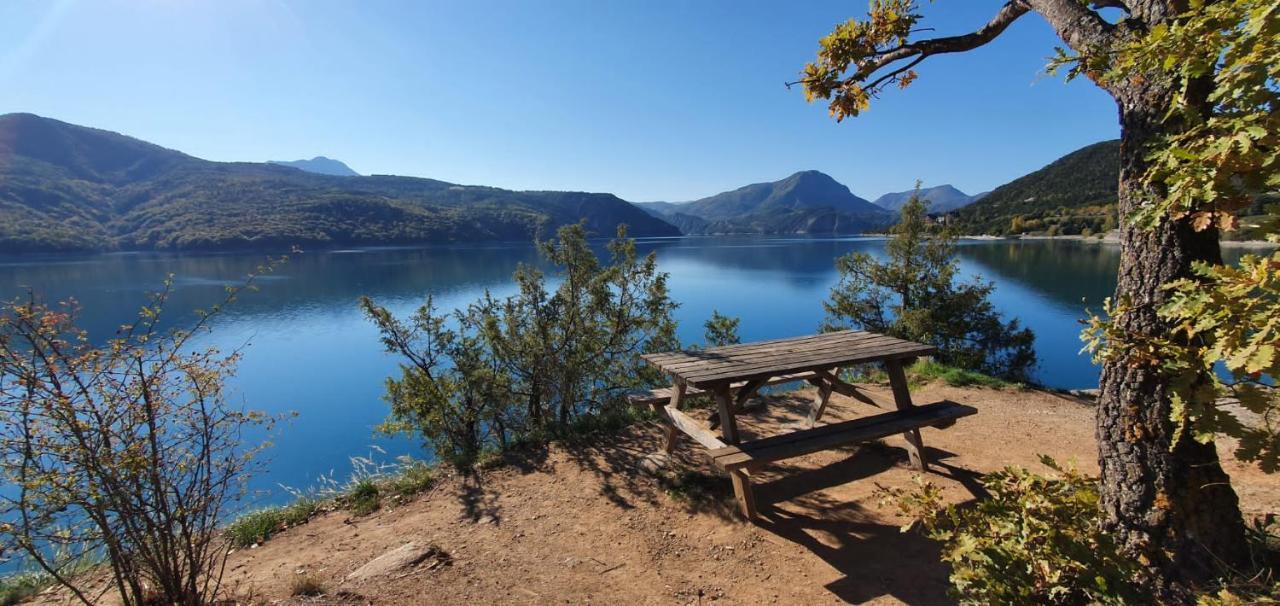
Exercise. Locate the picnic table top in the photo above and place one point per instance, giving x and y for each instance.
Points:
(763, 359)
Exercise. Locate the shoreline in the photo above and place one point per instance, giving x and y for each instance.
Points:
(1114, 239)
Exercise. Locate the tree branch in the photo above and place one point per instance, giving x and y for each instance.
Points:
(951, 44)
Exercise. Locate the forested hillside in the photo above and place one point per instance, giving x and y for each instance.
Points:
(1074, 193)
(70, 188)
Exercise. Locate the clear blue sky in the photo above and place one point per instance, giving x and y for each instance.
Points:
(651, 100)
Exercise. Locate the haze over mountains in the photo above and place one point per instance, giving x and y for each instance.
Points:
(72, 188)
(319, 165)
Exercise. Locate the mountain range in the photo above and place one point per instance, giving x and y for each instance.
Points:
(72, 188)
(807, 202)
(319, 165)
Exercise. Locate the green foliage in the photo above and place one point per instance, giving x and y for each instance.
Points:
(1217, 156)
(720, 330)
(20, 587)
(125, 451)
(854, 46)
(364, 496)
(258, 526)
(1214, 162)
(505, 368)
(1225, 315)
(1036, 540)
(914, 295)
(925, 372)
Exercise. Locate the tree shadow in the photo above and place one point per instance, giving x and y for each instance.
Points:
(478, 500)
(875, 559)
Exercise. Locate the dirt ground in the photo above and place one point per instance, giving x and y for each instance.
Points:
(587, 525)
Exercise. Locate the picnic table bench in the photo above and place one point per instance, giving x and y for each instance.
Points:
(734, 373)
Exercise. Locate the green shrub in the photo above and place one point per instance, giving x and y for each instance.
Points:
(18, 587)
(413, 477)
(1036, 540)
(564, 346)
(364, 496)
(258, 526)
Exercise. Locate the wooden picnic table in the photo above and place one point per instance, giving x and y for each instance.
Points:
(734, 373)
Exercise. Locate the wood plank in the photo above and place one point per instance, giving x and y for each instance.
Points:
(654, 357)
(663, 394)
(902, 398)
(819, 405)
(692, 428)
(815, 362)
(826, 437)
(691, 360)
(731, 366)
(673, 432)
(847, 389)
(684, 360)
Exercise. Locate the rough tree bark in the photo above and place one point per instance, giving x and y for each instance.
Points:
(1171, 505)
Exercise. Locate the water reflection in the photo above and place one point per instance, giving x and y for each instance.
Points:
(307, 348)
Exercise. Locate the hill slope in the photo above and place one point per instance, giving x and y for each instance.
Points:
(942, 198)
(808, 202)
(65, 187)
(1074, 192)
(319, 165)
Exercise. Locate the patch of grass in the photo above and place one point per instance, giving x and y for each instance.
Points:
(306, 585)
(925, 372)
(18, 587)
(414, 477)
(364, 496)
(258, 526)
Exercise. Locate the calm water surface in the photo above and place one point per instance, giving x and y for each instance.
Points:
(307, 348)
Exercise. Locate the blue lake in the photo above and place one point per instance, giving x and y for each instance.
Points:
(308, 349)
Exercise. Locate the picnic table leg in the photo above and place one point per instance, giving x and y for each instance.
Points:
(724, 404)
(902, 397)
(825, 386)
(743, 492)
(673, 432)
(729, 431)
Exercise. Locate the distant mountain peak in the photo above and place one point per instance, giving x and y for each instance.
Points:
(941, 198)
(319, 165)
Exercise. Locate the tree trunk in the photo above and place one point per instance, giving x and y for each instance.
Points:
(1171, 506)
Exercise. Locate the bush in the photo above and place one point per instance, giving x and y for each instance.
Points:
(364, 496)
(126, 452)
(1036, 540)
(914, 295)
(502, 369)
